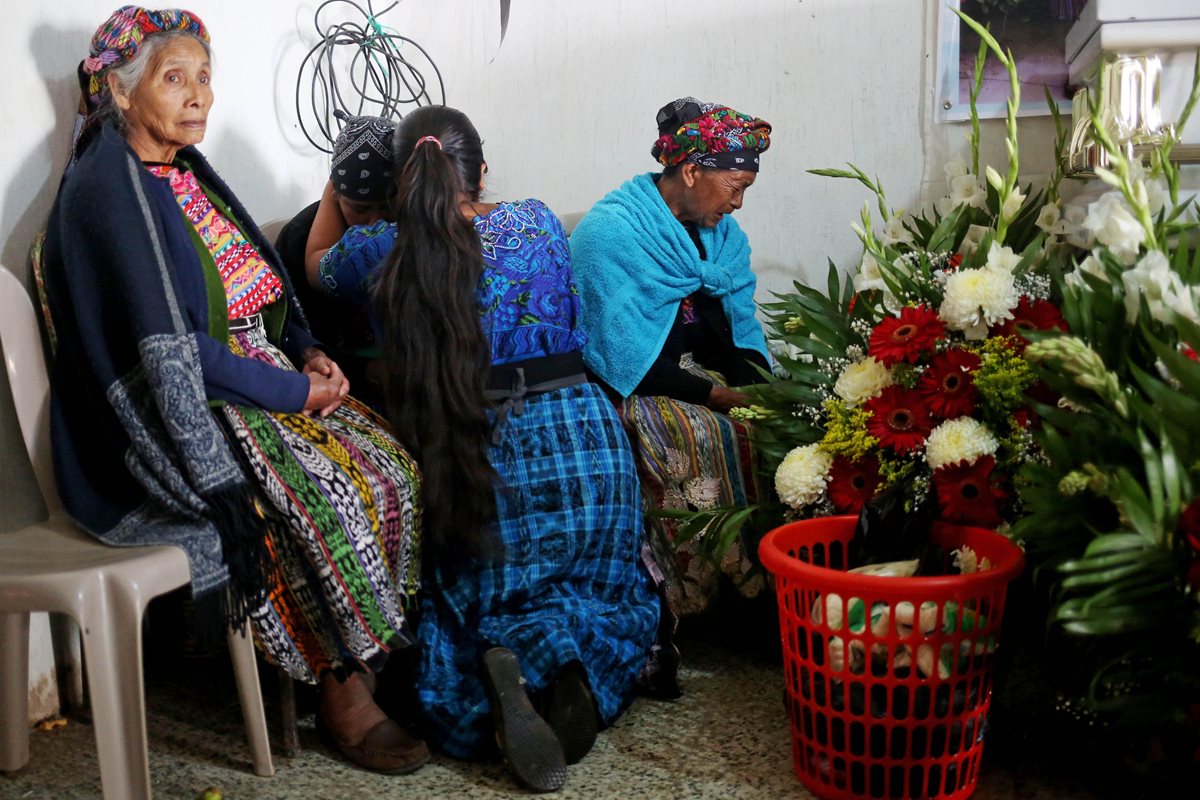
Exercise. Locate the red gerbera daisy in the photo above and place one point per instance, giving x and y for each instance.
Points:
(1031, 315)
(947, 384)
(906, 337)
(1189, 525)
(967, 494)
(852, 483)
(955, 261)
(899, 419)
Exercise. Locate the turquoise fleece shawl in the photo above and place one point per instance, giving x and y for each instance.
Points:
(634, 263)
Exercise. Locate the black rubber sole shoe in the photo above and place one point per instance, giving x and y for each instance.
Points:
(531, 751)
(570, 711)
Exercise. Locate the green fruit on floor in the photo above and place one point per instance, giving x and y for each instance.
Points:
(212, 794)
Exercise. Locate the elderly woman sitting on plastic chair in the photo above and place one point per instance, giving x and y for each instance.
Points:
(192, 407)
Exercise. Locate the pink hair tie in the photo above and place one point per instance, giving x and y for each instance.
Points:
(425, 139)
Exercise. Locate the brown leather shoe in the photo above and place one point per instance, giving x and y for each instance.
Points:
(386, 748)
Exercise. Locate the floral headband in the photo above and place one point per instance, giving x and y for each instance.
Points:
(709, 135)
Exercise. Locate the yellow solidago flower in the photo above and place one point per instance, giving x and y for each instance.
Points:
(846, 431)
(1002, 377)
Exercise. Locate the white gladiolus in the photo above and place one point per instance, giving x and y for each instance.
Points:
(894, 231)
(1115, 227)
(1090, 265)
(862, 380)
(972, 239)
(1012, 204)
(1070, 227)
(1165, 292)
(966, 191)
(955, 169)
(869, 275)
(802, 475)
(961, 439)
(993, 178)
(1048, 217)
(977, 298)
(1002, 259)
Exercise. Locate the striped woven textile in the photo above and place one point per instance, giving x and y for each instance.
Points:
(572, 586)
(691, 456)
(347, 562)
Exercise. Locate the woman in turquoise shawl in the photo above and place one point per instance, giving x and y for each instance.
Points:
(667, 303)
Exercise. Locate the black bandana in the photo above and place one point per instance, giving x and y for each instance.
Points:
(362, 159)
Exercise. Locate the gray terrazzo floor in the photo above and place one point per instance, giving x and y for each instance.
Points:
(726, 738)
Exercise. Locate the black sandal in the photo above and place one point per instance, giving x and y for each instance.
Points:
(530, 748)
(570, 710)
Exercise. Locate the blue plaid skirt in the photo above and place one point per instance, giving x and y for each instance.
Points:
(572, 586)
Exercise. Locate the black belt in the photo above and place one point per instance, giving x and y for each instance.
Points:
(245, 323)
(509, 384)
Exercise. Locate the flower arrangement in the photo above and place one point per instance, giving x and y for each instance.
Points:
(906, 385)
(1112, 507)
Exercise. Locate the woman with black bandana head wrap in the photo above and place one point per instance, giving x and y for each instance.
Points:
(349, 217)
(667, 303)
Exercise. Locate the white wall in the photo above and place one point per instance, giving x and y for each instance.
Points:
(566, 107)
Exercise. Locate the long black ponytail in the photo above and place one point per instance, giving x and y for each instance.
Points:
(433, 342)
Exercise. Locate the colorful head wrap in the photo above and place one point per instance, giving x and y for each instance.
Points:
(710, 135)
(362, 158)
(118, 40)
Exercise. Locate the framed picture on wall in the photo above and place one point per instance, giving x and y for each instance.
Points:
(1034, 30)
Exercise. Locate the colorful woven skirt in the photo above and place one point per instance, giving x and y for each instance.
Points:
(690, 456)
(344, 530)
(572, 585)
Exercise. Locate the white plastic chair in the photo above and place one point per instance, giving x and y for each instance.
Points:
(53, 566)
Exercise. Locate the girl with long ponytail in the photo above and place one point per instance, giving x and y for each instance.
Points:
(535, 589)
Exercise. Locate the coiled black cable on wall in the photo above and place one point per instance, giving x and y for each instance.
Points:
(361, 67)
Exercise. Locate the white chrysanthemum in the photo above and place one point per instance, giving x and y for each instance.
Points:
(862, 380)
(1115, 226)
(702, 493)
(802, 475)
(1002, 259)
(961, 439)
(977, 298)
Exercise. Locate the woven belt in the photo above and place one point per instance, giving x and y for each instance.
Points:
(245, 323)
(509, 384)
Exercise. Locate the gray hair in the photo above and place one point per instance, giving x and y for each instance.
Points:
(130, 74)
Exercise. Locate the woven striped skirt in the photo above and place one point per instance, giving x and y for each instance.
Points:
(573, 585)
(691, 457)
(343, 497)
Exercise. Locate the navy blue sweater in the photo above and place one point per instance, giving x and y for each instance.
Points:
(113, 223)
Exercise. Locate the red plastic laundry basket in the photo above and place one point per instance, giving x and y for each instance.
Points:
(888, 679)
